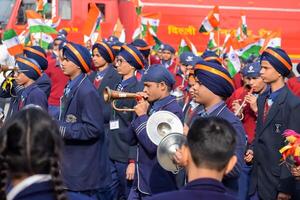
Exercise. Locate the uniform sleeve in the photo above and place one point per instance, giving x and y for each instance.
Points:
(16, 90)
(286, 179)
(90, 125)
(44, 83)
(139, 125)
(239, 150)
(38, 98)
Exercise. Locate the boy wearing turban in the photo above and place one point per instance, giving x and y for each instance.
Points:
(121, 153)
(24, 89)
(213, 85)
(85, 165)
(152, 178)
(38, 54)
(278, 110)
(105, 74)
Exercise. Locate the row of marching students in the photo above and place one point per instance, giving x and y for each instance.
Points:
(104, 150)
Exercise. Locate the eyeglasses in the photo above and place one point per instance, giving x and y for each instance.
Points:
(119, 61)
(55, 44)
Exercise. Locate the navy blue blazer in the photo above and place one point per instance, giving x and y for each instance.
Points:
(34, 95)
(110, 79)
(199, 189)
(24, 96)
(84, 163)
(44, 191)
(268, 175)
(119, 147)
(231, 179)
(151, 177)
(44, 83)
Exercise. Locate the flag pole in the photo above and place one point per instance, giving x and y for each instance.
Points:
(218, 48)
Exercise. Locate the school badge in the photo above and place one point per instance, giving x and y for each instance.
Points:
(71, 118)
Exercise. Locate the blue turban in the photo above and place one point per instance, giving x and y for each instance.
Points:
(105, 50)
(38, 54)
(142, 46)
(215, 77)
(251, 70)
(133, 56)
(167, 47)
(279, 59)
(211, 56)
(117, 47)
(79, 55)
(158, 73)
(29, 67)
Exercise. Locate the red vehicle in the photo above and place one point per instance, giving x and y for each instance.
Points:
(178, 18)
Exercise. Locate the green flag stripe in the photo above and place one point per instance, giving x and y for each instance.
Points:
(9, 34)
(43, 29)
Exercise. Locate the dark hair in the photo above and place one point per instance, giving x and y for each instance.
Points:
(211, 141)
(30, 144)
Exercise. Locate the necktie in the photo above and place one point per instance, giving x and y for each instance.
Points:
(67, 90)
(203, 113)
(97, 81)
(268, 104)
(120, 87)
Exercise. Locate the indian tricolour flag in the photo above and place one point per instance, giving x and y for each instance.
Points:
(187, 45)
(271, 40)
(212, 45)
(45, 40)
(92, 23)
(233, 64)
(210, 22)
(36, 23)
(119, 31)
(249, 47)
(42, 6)
(152, 19)
(12, 42)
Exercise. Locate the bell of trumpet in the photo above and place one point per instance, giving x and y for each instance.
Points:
(167, 149)
(112, 95)
(161, 124)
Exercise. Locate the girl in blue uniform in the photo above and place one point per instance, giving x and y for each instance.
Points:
(29, 156)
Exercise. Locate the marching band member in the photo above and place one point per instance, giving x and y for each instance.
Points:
(151, 177)
(168, 58)
(278, 110)
(213, 85)
(105, 74)
(122, 154)
(205, 171)
(243, 104)
(85, 166)
(38, 54)
(24, 90)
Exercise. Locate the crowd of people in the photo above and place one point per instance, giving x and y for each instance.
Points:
(62, 140)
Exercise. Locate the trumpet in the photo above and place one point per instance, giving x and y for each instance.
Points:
(242, 105)
(4, 69)
(112, 95)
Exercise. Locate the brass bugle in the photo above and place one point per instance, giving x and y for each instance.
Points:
(5, 69)
(112, 95)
